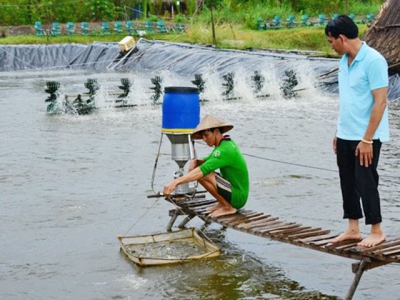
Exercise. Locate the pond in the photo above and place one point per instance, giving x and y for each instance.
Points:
(70, 185)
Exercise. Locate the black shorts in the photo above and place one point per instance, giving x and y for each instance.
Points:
(224, 187)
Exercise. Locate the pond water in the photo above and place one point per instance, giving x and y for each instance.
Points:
(70, 185)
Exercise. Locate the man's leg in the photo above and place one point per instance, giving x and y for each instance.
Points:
(352, 232)
(375, 238)
(367, 179)
(351, 200)
(223, 207)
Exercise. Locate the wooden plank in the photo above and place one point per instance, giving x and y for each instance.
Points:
(308, 233)
(199, 203)
(345, 247)
(289, 230)
(275, 227)
(268, 225)
(259, 220)
(260, 217)
(284, 227)
(176, 212)
(383, 245)
(314, 239)
(229, 218)
(193, 201)
(202, 207)
(230, 223)
(384, 251)
(296, 236)
(295, 229)
(201, 210)
(247, 219)
(251, 221)
(258, 223)
(334, 245)
(322, 242)
(391, 252)
(370, 265)
(253, 218)
(241, 213)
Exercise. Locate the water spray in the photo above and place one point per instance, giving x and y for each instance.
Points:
(157, 81)
(258, 82)
(84, 103)
(81, 105)
(289, 83)
(229, 85)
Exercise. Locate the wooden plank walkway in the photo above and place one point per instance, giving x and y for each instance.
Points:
(274, 228)
(264, 225)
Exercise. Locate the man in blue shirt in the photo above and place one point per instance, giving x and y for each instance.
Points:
(362, 127)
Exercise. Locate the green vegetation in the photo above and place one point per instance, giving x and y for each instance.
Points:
(236, 21)
(228, 36)
(27, 12)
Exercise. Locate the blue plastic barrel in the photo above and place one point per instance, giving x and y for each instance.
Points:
(180, 109)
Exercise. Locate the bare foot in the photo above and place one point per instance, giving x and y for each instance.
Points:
(223, 211)
(374, 239)
(347, 235)
(213, 208)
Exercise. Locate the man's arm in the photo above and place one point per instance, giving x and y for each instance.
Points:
(195, 163)
(193, 175)
(378, 109)
(364, 150)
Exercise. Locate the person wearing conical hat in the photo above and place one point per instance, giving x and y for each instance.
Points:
(229, 186)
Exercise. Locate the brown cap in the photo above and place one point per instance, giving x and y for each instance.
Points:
(209, 122)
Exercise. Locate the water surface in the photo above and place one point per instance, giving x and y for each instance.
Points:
(69, 185)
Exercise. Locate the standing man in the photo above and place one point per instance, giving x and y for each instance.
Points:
(362, 127)
(231, 187)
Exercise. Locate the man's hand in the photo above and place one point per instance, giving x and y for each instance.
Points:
(334, 144)
(169, 188)
(365, 153)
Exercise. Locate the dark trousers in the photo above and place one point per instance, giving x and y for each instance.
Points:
(358, 181)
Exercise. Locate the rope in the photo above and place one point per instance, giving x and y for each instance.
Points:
(306, 166)
(289, 163)
(141, 217)
(300, 165)
(155, 164)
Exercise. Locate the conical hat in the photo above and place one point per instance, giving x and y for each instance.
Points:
(209, 122)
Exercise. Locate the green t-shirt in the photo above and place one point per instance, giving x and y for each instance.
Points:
(230, 161)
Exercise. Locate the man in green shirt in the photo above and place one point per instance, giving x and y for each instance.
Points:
(230, 187)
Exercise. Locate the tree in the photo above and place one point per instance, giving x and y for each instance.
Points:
(101, 9)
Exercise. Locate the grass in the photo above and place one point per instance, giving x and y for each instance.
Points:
(228, 36)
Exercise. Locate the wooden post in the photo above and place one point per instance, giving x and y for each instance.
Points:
(360, 267)
(212, 25)
(174, 214)
(186, 220)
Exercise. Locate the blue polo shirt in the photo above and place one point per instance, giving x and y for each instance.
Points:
(368, 71)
